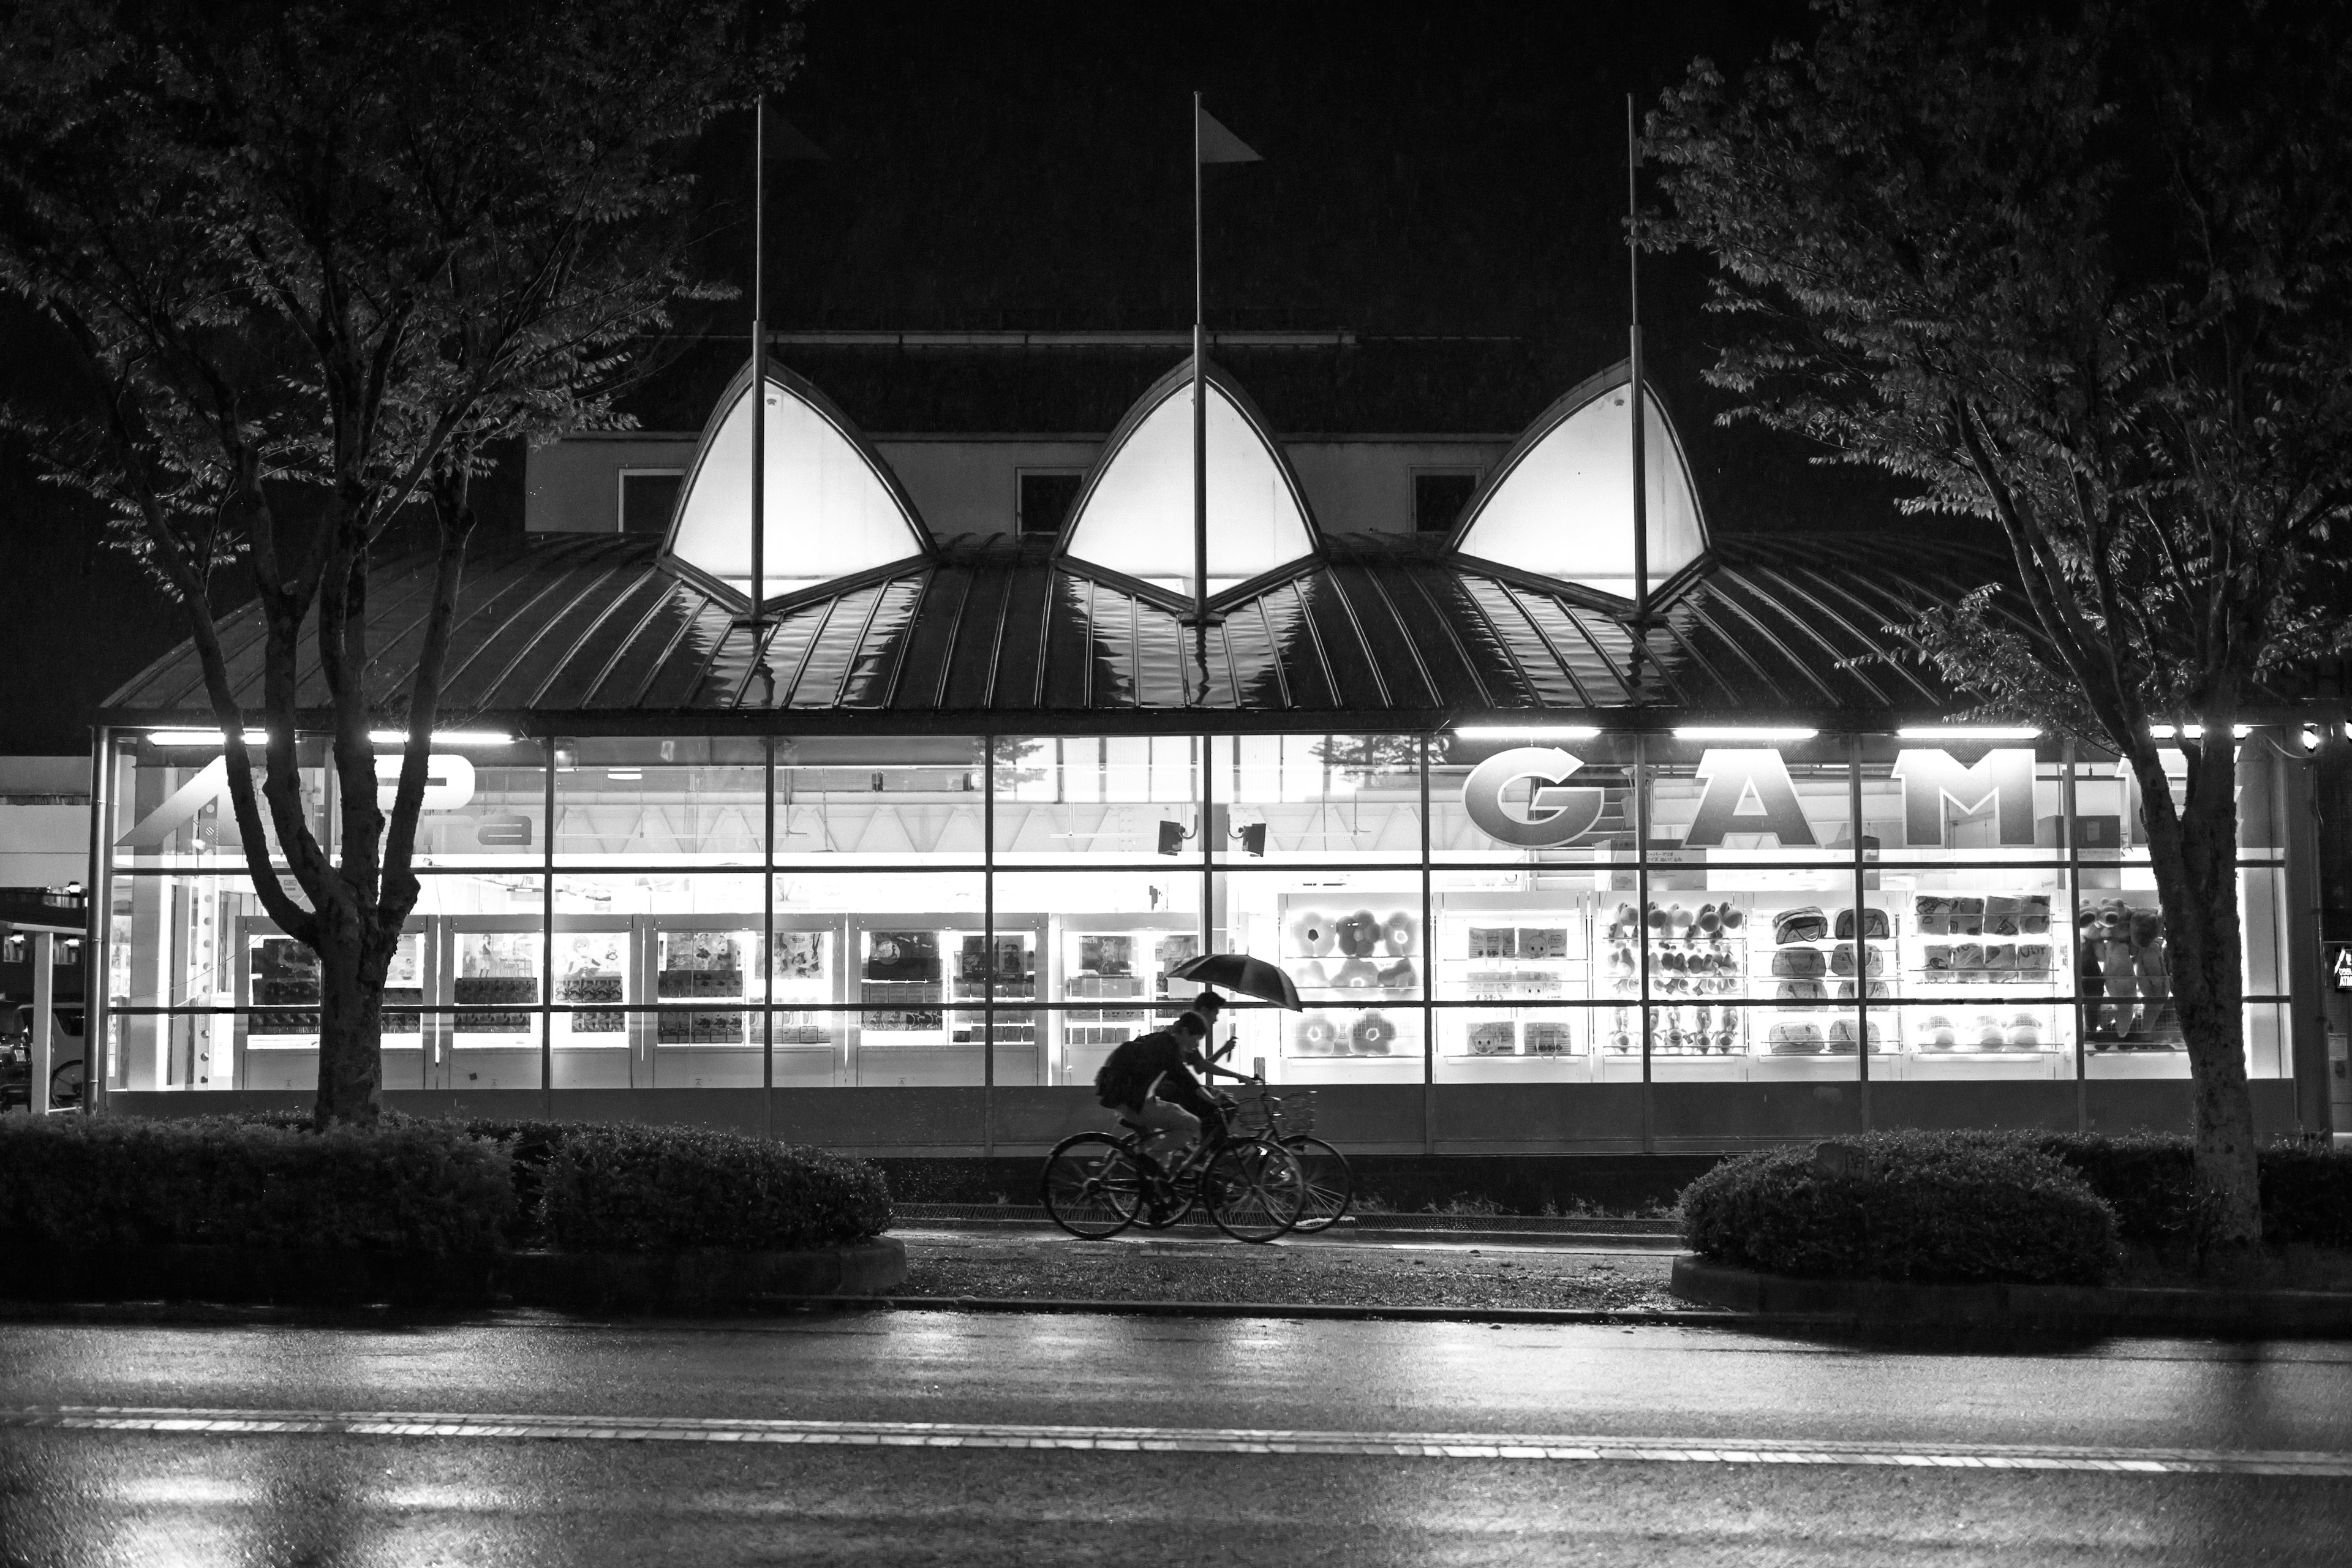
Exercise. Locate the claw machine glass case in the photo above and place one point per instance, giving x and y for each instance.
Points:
(810, 1040)
(1517, 957)
(923, 986)
(592, 988)
(1122, 959)
(495, 983)
(281, 992)
(1358, 970)
(697, 1046)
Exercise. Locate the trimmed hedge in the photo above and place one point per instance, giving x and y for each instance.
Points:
(664, 1189)
(416, 1188)
(2149, 1179)
(1921, 1207)
(698, 1188)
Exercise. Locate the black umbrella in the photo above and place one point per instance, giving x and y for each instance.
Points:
(1242, 974)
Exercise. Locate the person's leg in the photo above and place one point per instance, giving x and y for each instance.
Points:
(1169, 1131)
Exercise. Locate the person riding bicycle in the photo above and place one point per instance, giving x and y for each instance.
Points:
(1149, 1081)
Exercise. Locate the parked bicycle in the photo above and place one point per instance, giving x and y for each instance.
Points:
(1096, 1185)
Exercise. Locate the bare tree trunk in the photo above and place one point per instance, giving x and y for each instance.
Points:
(2193, 850)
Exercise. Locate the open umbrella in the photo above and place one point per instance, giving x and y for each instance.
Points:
(1242, 974)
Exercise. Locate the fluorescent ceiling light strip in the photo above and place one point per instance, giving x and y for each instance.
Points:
(446, 737)
(1740, 732)
(381, 737)
(1530, 731)
(1969, 732)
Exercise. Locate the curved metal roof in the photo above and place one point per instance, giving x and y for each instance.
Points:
(573, 632)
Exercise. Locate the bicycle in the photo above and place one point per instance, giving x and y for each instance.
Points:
(1094, 1185)
(1330, 1184)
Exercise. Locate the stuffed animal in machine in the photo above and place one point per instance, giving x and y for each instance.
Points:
(1358, 935)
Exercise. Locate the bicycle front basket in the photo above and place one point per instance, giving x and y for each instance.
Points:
(1254, 1116)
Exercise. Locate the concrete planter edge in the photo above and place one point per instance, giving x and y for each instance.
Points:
(698, 1280)
(328, 1277)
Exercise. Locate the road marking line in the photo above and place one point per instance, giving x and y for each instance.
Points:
(1536, 1447)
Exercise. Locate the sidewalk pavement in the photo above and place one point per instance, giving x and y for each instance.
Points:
(1001, 1263)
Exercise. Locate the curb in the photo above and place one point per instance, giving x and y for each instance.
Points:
(1323, 1312)
(697, 1281)
(1532, 1226)
(2087, 1308)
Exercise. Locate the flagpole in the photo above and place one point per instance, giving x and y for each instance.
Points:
(1640, 449)
(759, 393)
(1200, 421)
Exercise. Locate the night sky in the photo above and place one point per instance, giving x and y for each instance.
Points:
(1440, 171)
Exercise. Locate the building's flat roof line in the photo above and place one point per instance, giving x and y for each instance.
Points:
(1105, 339)
(1095, 437)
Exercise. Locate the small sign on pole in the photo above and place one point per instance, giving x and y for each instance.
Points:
(2340, 971)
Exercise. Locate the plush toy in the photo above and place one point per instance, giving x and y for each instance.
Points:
(1398, 933)
(1312, 935)
(1358, 935)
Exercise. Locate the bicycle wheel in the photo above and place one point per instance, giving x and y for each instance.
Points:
(1330, 1185)
(1092, 1185)
(1253, 1190)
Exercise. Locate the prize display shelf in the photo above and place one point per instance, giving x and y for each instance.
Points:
(1358, 973)
(697, 966)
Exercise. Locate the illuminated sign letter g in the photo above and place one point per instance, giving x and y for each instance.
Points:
(1554, 814)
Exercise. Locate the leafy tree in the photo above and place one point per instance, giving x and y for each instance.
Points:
(316, 262)
(2083, 272)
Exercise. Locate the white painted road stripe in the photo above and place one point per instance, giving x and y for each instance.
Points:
(1171, 1439)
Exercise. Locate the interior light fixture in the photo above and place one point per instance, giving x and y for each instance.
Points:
(187, 737)
(1740, 732)
(1526, 732)
(2194, 731)
(446, 737)
(1971, 732)
(625, 775)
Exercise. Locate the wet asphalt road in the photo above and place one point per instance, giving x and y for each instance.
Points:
(71, 1496)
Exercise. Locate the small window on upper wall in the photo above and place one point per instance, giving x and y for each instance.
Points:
(648, 496)
(1046, 499)
(1438, 500)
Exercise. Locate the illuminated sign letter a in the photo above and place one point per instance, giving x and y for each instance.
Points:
(1555, 815)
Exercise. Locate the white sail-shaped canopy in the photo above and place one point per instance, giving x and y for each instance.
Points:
(1561, 503)
(1134, 515)
(832, 508)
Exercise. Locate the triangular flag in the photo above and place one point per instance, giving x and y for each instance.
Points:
(1219, 145)
(786, 144)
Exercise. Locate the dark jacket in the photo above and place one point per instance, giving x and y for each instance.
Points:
(1126, 1075)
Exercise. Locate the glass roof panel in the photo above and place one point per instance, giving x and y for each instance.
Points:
(832, 509)
(1562, 502)
(1136, 514)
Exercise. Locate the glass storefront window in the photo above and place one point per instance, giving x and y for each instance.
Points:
(1353, 943)
(1922, 800)
(1104, 943)
(1786, 801)
(1071, 800)
(1531, 797)
(172, 807)
(687, 801)
(1996, 939)
(1315, 798)
(880, 801)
